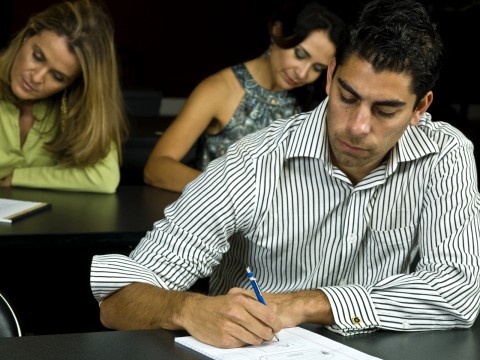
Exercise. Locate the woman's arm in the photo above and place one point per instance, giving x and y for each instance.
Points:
(210, 103)
(103, 177)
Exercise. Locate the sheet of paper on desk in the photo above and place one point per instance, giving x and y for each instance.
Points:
(12, 210)
(295, 344)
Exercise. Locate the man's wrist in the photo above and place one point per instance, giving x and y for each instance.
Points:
(185, 305)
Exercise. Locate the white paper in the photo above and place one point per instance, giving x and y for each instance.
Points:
(9, 208)
(295, 344)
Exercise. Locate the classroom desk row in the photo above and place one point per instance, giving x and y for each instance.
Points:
(461, 344)
(84, 217)
(45, 258)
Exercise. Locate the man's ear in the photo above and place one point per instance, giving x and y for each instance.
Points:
(330, 70)
(422, 106)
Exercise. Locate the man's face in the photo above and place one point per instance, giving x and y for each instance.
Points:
(367, 113)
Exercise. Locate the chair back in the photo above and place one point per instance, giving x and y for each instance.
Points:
(9, 325)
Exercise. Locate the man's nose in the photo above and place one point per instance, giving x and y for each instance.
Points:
(360, 123)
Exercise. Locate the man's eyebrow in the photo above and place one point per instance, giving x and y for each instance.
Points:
(393, 103)
(347, 87)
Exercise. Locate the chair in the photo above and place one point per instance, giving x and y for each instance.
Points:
(9, 325)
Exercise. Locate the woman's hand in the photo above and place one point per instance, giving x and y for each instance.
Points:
(6, 181)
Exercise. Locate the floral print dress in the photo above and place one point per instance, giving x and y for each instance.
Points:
(258, 108)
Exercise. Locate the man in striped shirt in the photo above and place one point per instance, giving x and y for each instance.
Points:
(360, 215)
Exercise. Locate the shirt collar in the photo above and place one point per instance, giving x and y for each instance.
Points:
(310, 138)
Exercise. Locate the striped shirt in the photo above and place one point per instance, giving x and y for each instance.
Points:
(399, 251)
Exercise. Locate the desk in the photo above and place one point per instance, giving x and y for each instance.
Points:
(159, 344)
(130, 212)
(45, 258)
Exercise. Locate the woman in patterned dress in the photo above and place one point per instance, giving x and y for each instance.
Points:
(241, 99)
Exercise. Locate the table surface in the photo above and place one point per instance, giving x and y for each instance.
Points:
(39, 251)
(461, 344)
(131, 210)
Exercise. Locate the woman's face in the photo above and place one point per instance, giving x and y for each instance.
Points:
(303, 64)
(43, 66)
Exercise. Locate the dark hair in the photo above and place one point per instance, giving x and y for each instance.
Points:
(296, 20)
(399, 36)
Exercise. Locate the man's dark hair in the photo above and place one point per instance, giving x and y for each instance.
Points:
(399, 36)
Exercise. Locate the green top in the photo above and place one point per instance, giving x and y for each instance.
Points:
(35, 167)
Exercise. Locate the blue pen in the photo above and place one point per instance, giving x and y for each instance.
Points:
(260, 298)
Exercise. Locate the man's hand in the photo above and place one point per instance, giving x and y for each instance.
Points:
(228, 321)
(232, 320)
(308, 306)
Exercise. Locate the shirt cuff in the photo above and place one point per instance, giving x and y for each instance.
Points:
(109, 273)
(353, 310)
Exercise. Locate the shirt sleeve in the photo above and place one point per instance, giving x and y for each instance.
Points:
(443, 291)
(190, 241)
(103, 177)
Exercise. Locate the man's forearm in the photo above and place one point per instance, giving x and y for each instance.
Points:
(144, 306)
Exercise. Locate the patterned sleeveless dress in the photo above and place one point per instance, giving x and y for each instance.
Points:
(258, 108)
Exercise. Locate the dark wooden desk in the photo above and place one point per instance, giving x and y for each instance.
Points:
(45, 258)
(159, 344)
(131, 211)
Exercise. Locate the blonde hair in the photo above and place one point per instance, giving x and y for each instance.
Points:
(93, 117)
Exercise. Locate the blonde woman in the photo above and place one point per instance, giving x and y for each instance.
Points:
(62, 118)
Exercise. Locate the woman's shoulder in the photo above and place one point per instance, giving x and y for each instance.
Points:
(222, 80)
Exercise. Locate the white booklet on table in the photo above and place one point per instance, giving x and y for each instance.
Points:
(294, 344)
(12, 210)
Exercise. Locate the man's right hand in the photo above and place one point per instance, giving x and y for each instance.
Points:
(228, 321)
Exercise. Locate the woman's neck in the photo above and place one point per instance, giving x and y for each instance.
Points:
(261, 71)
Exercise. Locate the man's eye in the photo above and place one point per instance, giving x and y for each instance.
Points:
(384, 114)
(347, 100)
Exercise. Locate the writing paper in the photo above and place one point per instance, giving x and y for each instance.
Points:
(295, 344)
(12, 210)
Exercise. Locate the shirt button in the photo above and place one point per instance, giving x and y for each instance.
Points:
(356, 320)
(352, 239)
(274, 101)
(405, 324)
